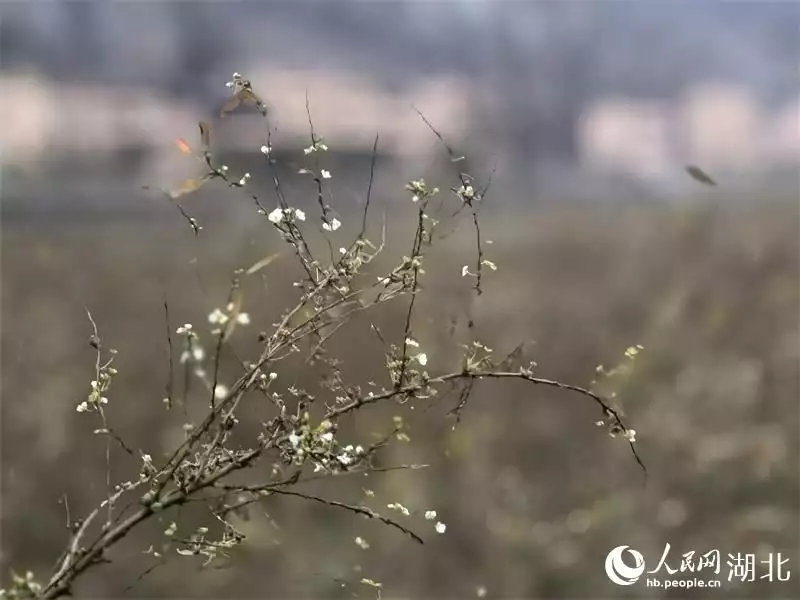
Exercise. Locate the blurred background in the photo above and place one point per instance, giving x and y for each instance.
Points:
(584, 115)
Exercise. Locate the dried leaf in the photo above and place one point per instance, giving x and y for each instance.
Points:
(188, 186)
(205, 135)
(183, 146)
(262, 263)
(231, 104)
(244, 95)
(699, 175)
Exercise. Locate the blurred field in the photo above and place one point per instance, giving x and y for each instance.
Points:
(534, 495)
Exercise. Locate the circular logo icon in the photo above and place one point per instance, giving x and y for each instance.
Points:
(618, 571)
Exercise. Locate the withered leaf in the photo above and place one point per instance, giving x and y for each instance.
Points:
(188, 186)
(205, 135)
(262, 263)
(699, 175)
(243, 96)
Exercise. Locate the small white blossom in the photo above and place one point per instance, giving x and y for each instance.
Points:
(325, 174)
(440, 527)
(344, 459)
(309, 150)
(630, 435)
(490, 264)
(342, 250)
(82, 407)
(243, 318)
(299, 214)
(244, 179)
(273, 376)
(326, 437)
(430, 515)
(411, 342)
(294, 439)
(467, 191)
(399, 507)
(333, 225)
(465, 271)
(422, 358)
(217, 317)
(220, 391)
(276, 216)
(415, 198)
(185, 329)
(265, 150)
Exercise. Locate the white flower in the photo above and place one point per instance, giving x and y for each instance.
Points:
(276, 216)
(344, 459)
(82, 407)
(325, 174)
(294, 439)
(415, 198)
(333, 225)
(399, 507)
(217, 317)
(342, 250)
(185, 329)
(440, 527)
(359, 450)
(243, 318)
(273, 376)
(198, 354)
(467, 191)
(228, 84)
(411, 342)
(362, 543)
(244, 178)
(326, 437)
(465, 271)
(422, 358)
(489, 264)
(237, 75)
(430, 515)
(299, 214)
(220, 391)
(309, 150)
(265, 150)
(630, 435)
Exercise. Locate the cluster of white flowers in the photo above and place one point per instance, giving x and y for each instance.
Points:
(317, 146)
(235, 76)
(466, 192)
(349, 455)
(280, 214)
(399, 507)
(362, 543)
(440, 527)
(218, 317)
(333, 225)
(184, 330)
(94, 398)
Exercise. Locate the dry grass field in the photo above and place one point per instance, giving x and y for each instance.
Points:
(534, 495)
